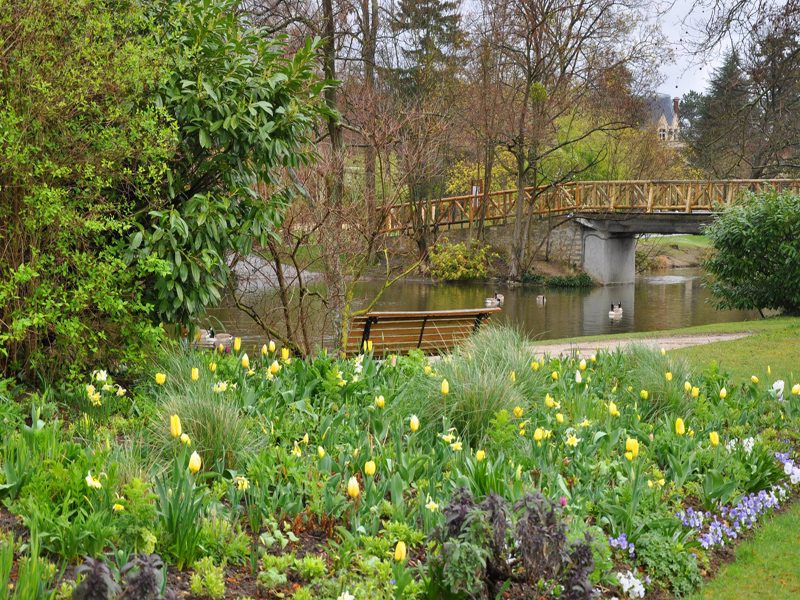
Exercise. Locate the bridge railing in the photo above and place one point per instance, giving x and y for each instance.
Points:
(578, 196)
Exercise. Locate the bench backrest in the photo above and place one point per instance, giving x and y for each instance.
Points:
(433, 332)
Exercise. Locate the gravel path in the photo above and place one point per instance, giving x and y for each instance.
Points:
(668, 342)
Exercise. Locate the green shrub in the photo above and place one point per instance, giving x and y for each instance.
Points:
(208, 579)
(569, 281)
(668, 563)
(460, 261)
(757, 253)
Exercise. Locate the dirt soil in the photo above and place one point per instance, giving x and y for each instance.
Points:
(667, 342)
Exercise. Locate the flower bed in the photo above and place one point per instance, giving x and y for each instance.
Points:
(487, 472)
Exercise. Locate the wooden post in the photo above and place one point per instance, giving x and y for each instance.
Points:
(689, 189)
(650, 197)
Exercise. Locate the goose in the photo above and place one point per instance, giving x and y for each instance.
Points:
(496, 300)
(619, 308)
(614, 314)
(541, 300)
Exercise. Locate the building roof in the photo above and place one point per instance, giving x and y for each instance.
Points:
(661, 105)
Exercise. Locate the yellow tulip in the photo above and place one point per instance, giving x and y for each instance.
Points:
(380, 401)
(754, 379)
(513, 376)
(241, 483)
(175, 426)
(769, 370)
(582, 365)
(445, 387)
(687, 387)
(245, 361)
(549, 401)
(534, 365)
(352, 488)
(237, 344)
(195, 373)
(538, 435)
(480, 455)
(400, 551)
(714, 438)
(554, 375)
(695, 392)
(195, 463)
(644, 394)
(320, 451)
(369, 468)
(680, 428)
(632, 447)
(613, 410)
(185, 439)
(668, 375)
(414, 423)
(271, 347)
(264, 350)
(518, 411)
(221, 348)
(559, 417)
(796, 389)
(723, 393)
(274, 368)
(663, 351)
(212, 366)
(427, 369)
(161, 378)
(284, 354)
(629, 455)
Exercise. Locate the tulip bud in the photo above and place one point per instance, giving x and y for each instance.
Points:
(237, 344)
(352, 488)
(369, 468)
(194, 462)
(175, 426)
(245, 361)
(400, 551)
(613, 410)
(518, 411)
(513, 376)
(161, 378)
(195, 373)
(554, 375)
(320, 451)
(578, 377)
(264, 350)
(380, 401)
(538, 435)
(414, 423)
(559, 418)
(754, 379)
(445, 387)
(680, 428)
(185, 440)
(271, 347)
(668, 375)
(284, 354)
(796, 389)
(212, 367)
(714, 438)
(582, 365)
(644, 394)
(695, 392)
(687, 387)
(723, 393)
(480, 455)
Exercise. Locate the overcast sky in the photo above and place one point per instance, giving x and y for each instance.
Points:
(687, 72)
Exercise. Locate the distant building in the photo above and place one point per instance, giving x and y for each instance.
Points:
(664, 117)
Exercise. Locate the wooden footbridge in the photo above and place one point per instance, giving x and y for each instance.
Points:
(595, 197)
(609, 214)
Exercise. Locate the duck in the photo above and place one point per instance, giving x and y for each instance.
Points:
(496, 300)
(541, 300)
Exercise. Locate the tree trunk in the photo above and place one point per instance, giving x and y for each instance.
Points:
(488, 166)
(519, 240)
(369, 13)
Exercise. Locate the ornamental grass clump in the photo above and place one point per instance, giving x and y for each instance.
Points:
(479, 383)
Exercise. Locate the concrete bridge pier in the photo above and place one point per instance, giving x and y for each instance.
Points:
(609, 257)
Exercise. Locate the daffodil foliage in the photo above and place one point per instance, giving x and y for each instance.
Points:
(409, 477)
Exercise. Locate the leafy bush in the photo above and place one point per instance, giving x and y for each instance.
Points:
(208, 579)
(460, 261)
(668, 563)
(756, 253)
(484, 548)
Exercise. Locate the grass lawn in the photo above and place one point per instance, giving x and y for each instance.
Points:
(681, 241)
(767, 566)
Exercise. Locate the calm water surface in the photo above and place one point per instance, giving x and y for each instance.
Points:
(667, 300)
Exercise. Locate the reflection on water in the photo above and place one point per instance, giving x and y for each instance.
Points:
(655, 301)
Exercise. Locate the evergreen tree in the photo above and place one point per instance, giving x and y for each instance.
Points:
(717, 127)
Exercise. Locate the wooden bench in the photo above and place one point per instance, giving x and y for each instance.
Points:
(433, 332)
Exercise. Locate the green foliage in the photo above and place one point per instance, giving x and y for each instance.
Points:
(668, 563)
(460, 261)
(208, 579)
(756, 252)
